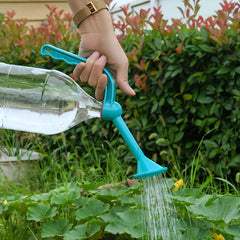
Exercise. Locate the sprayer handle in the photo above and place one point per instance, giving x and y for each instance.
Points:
(72, 59)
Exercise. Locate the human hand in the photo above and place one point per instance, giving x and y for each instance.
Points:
(102, 49)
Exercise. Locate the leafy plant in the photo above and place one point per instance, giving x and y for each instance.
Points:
(182, 93)
(83, 211)
(69, 213)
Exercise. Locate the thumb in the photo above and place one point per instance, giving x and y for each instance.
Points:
(122, 80)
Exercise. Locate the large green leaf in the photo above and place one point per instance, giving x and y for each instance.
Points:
(55, 228)
(110, 194)
(40, 212)
(94, 207)
(65, 197)
(109, 217)
(195, 234)
(80, 232)
(224, 209)
(233, 230)
(129, 222)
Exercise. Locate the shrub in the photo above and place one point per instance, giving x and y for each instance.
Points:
(188, 78)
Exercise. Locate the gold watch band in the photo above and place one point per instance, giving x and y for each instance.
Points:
(91, 8)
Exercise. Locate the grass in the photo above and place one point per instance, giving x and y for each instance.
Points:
(64, 161)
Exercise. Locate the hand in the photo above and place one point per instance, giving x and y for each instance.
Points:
(100, 45)
(91, 72)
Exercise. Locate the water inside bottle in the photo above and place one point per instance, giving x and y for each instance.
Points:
(42, 101)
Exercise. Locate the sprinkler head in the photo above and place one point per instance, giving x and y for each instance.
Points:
(147, 168)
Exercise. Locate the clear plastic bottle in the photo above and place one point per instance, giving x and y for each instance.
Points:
(42, 101)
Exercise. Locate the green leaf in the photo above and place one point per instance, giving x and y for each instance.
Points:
(223, 70)
(207, 48)
(170, 101)
(154, 107)
(161, 102)
(109, 217)
(152, 136)
(92, 229)
(56, 228)
(236, 92)
(162, 142)
(84, 231)
(193, 62)
(40, 212)
(65, 197)
(195, 234)
(187, 96)
(129, 222)
(210, 144)
(235, 70)
(40, 197)
(235, 162)
(78, 233)
(197, 76)
(110, 194)
(223, 209)
(183, 86)
(233, 230)
(58, 198)
(94, 207)
(213, 153)
(178, 137)
(204, 99)
(204, 34)
(185, 200)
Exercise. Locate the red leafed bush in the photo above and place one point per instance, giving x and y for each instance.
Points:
(21, 43)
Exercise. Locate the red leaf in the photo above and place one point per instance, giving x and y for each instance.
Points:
(179, 49)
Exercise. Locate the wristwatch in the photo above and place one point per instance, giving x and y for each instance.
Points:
(90, 9)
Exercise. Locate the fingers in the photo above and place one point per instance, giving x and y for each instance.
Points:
(78, 69)
(96, 71)
(92, 72)
(100, 89)
(85, 74)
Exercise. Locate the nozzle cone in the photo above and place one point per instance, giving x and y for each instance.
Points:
(148, 168)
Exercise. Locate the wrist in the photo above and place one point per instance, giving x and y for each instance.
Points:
(98, 23)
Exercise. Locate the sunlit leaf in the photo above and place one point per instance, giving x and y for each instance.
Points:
(40, 212)
(55, 228)
(94, 207)
(224, 209)
(78, 233)
(124, 223)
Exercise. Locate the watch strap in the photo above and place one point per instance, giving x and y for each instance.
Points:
(90, 9)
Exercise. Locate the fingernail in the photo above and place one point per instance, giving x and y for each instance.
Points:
(81, 65)
(95, 55)
(132, 91)
(103, 58)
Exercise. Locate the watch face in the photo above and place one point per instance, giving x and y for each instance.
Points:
(91, 7)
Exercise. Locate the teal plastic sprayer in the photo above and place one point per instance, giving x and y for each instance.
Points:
(112, 110)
